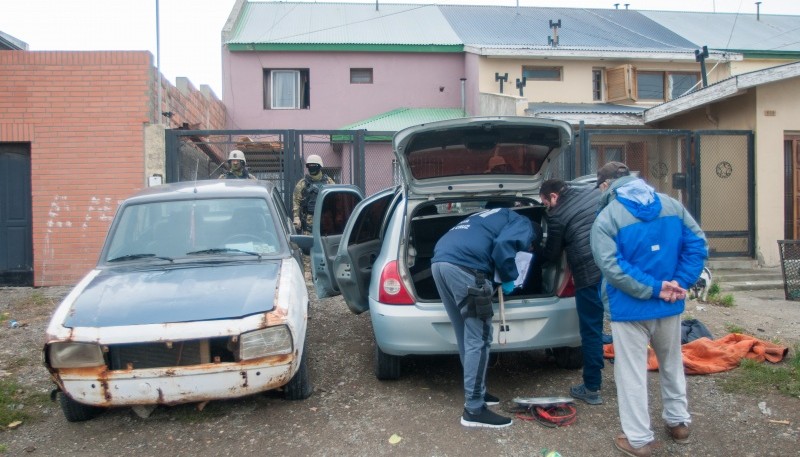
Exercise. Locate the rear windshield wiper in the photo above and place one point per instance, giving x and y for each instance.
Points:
(122, 258)
(224, 251)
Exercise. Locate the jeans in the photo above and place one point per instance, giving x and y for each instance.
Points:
(590, 320)
(474, 336)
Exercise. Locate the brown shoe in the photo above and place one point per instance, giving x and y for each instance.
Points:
(679, 433)
(621, 443)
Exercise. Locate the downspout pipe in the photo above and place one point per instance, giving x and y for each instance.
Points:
(464, 96)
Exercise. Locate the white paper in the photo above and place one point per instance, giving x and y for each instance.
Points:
(523, 260)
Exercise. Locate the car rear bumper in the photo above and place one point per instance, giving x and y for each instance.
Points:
(426, 329)
(100, 387)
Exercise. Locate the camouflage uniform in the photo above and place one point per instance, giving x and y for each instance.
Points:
(304, 216)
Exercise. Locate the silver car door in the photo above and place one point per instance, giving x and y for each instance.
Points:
(362, 242)
(331, 212)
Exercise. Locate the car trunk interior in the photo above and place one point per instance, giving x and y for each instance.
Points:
(430, 222)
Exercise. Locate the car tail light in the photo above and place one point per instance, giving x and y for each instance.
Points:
(567, 286)
(391, 290)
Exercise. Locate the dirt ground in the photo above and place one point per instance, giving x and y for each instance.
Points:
(351, 413)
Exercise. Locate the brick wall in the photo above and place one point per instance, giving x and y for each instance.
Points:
(83, 114)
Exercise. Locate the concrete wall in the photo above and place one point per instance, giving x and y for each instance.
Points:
(501, 105)
(749, 64)
(770, 133)
(84, 115)
(409, 80)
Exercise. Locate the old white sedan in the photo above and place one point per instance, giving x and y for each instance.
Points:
(198, 295)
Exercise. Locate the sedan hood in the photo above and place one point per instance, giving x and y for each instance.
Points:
(479, 155)
(118, 297)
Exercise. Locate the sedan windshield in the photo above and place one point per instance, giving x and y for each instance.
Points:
(210, 227)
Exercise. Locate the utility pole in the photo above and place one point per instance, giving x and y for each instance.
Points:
(158, 65)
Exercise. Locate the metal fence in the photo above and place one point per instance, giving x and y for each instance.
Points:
(710, 172)
(724, 192)
(349, 157)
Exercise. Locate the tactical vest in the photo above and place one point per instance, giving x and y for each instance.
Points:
(231, 175)
(311, 191)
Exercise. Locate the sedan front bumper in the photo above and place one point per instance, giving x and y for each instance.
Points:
(167, 386)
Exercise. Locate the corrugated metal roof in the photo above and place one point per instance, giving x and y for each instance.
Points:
(337, 23)
(400, 118)
(740, 32)
(592, 28)
(354, 24)
(11, 43)
(583, 108)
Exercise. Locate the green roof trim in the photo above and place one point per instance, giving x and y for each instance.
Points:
(396, 120)
(321, 47)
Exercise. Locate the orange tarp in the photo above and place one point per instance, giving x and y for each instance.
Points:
(704, 356)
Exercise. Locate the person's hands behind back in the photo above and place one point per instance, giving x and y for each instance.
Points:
(671, 291)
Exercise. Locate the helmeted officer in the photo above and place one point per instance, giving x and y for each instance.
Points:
(237, 167)
(305, 193)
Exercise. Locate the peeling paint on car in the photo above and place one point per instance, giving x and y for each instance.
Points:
(182, 346)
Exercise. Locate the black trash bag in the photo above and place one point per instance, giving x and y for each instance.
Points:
(692, 329)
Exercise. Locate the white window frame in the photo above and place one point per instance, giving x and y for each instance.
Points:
(295, 97)
(361, 76)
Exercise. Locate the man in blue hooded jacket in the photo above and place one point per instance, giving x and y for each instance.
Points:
(650, 250)
(463, 265)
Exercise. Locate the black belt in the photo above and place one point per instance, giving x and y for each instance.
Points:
(473, 271)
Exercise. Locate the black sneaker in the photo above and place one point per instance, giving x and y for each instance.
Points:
(490, 399)
(486, 418)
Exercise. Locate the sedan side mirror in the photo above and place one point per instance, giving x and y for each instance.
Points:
(304, 242)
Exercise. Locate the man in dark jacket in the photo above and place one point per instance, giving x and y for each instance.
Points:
(570, 214)
(463, 265)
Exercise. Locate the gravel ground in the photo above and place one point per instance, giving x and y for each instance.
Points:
(351, 413)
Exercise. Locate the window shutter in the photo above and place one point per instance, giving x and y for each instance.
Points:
(621, 84)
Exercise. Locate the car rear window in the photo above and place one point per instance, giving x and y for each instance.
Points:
(472, 151)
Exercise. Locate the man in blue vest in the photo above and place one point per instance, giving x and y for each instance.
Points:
(305, 194)
(463, 266)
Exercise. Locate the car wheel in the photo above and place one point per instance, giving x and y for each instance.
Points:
(387, 367)
(568, 357)
(299, 387)
(77, 412)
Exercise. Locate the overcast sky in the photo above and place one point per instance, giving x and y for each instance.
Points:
(190, 29)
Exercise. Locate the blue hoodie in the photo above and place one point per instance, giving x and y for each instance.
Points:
(487, 241)
(639, 239)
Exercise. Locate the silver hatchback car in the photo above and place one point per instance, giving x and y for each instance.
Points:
(377, 251)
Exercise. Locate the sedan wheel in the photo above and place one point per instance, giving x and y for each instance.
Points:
(299, 387)
(387, 367)
(77, 412)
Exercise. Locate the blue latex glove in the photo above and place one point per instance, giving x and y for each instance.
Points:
(508, 287)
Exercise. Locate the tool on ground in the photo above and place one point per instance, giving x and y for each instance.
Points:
(548, 411)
